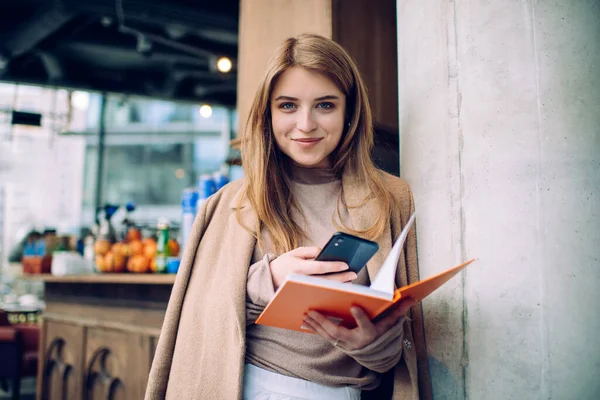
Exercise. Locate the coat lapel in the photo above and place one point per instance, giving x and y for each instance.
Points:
(364, 211)
(239, 255)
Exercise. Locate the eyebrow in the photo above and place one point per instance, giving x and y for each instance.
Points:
(327, 97)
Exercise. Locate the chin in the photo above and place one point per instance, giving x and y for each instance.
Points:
(307, 163)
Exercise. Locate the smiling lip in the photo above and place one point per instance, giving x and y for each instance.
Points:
(307, 143)
(311, 140)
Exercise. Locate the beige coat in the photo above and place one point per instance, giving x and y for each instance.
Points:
(200, 353)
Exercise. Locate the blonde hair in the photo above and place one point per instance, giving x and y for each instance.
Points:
(268, 184)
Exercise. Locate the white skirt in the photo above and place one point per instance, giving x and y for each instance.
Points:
(260, 384)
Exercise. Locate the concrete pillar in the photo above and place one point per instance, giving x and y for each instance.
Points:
(500, 140)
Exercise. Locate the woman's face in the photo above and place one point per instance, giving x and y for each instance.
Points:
(307, 112)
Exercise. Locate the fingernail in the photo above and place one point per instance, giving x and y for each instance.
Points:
(354, 276)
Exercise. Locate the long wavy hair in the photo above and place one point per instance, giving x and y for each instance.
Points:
(267, 185)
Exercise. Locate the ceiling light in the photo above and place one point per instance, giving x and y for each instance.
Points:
(206, 111)
(80, 100)
(106, 21)
(224, 64)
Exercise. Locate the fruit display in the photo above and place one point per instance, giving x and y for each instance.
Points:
(133, 254)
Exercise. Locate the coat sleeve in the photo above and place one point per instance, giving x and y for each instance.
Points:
(161, 364)
(418, 324)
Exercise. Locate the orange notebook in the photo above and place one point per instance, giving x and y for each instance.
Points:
(301, 293)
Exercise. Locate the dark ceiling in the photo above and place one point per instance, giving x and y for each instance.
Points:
(158, 48)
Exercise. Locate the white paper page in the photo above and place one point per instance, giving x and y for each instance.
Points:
(344, 287)
(384, 280)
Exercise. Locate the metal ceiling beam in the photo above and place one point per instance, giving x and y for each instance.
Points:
(45, 22)
(85, 49)
(160, 11)
(52, 66)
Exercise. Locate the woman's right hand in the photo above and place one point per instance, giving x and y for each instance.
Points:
(301, 261)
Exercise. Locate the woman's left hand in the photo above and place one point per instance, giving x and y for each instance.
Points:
(365, 332)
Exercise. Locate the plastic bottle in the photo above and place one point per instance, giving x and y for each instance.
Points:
(162, 246)
(220, 179)
(206, 187)
(189, 204)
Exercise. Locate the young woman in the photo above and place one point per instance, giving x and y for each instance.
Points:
(308, 173)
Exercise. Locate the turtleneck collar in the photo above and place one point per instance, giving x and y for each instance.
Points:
(312, 176)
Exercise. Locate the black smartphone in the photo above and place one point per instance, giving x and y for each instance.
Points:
(352, 250)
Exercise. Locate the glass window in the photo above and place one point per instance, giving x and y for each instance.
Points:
(153, 150)
(147, 174)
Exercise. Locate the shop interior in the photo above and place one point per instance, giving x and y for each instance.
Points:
(111, 113)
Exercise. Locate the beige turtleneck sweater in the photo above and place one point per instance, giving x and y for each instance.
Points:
(302, 355)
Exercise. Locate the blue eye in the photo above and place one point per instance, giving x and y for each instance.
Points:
(287, 106)
(326, 105)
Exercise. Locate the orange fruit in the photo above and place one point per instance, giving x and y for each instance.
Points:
(100, 263)
(120, 261)
(136, 248)
(133, 234)
(125, 249)
(109, 262)
(139, 264)
(101, 247)
(148, 240)
(150, 249)
(130, 265)
(173, 247)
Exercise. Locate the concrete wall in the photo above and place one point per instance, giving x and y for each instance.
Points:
(500, 140)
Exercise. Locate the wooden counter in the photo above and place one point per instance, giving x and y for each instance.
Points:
(99, 334)
(142, 279)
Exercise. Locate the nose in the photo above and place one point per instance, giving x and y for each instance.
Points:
(306, 121)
